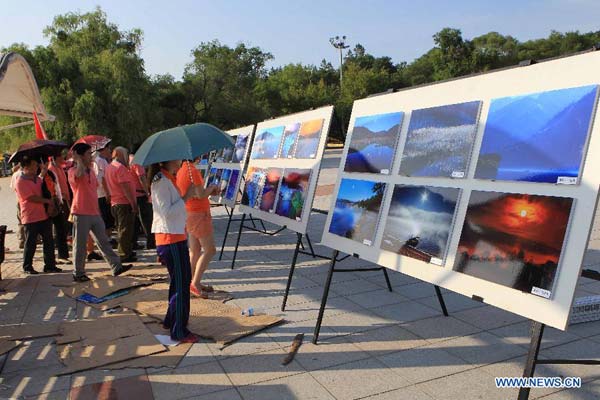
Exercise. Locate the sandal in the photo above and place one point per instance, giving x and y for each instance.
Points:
(207, 288)
(197, 293)
(191, 338)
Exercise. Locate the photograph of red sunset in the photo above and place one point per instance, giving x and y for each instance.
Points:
(514, 240)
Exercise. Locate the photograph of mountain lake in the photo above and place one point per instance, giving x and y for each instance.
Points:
(269, 190)
(356, 211)
(419, 222)
(440, 140)
(513, 240)
(230, 192)
(308, 139)
(373, 143)
(266, 143)
(288, 143)
(241, 143)
(255, 178)
(292, 193)
(538, 137)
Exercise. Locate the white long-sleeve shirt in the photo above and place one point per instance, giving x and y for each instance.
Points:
(168, 207)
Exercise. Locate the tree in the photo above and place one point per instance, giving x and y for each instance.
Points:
(220, 83)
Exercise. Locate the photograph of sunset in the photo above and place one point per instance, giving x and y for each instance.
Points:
(514, 240)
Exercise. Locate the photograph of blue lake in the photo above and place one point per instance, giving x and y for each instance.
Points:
(419, 221)
(266, 143)
(440, 140)
(288, 144)
(373, 143)
(538, 137)
(255, 178)
(356, 211)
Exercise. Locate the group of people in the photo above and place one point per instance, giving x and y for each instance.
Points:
(99, 190)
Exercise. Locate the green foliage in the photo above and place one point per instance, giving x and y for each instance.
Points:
(92, 78)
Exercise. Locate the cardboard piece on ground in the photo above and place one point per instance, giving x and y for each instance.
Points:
(79, 357)
(224, 323)
(106, 285)
(103, 329)
(170, 358)
(8, 345)
(29, 331)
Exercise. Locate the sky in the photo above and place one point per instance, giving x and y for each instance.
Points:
(299, 32)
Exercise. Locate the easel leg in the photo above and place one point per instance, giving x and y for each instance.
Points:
(325, 295)
(310, 246)
(252, 221)
(438, 292)
(387, 279)
(226, 232)
(237, 243)
(537, 331)
(292, 267)
(263, 225)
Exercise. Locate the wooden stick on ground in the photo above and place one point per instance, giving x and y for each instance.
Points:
(296, 343)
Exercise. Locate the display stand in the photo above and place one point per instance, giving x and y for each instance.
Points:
(334, 259)
(536, 333)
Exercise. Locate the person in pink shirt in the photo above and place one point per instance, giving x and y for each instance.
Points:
(34, 217)
(123, 203)
(86, 215)
(143, 202)
(63, 201)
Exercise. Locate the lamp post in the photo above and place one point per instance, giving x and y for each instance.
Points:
(340, 44)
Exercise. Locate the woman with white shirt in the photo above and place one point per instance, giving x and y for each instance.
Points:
(168, 225)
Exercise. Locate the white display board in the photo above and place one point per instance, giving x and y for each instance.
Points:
(570, 72)
(307, 161)
(235, 163)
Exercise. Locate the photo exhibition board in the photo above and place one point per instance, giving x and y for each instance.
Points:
(231, 164)
(509, 231)
(283, 168)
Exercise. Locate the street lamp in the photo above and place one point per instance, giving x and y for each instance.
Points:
(340, 44)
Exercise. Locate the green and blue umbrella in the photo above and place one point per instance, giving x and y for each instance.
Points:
(182, 143)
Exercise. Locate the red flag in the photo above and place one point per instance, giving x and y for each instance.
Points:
(39, 131)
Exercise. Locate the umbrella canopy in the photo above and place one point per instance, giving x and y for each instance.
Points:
(182, 143)
(97, 142)
(38, 148)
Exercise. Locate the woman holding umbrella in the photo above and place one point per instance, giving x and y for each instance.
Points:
(164, 151)
(168, 226)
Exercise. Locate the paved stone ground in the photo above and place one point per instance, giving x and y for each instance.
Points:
(374, 344)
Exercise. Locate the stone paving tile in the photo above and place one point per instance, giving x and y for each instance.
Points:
(100, 375)
(385, 340)
(454, 302)
(481, 348)
(585, 330)
(377, 298)
(348, 323)
(260, 367)
(56, 395)
(440, 328)
(329, 352)
(488, 317)
(190, 381)
(581, 349)
(424, 363)
(588, 391)
(31, 383)
(410, 392)
(258, 343)
(32, 356)
(294, 387)
(417, 290)
(405, 312)
(359, 379)
(284, 334)
(472, 384)
(199, 353)
(520, 334)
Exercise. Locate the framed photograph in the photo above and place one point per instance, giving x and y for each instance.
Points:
(373, 143)
(288, 143)
(255, 178)
(269, 189)
(440, 140)
(308, 139)
(419, 222)
(539, 137)
(514, 240)
(267, 143)
(357, 208)
(230, 192)
(292, 193)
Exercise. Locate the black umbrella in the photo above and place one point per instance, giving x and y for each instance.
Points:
(37, 149)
